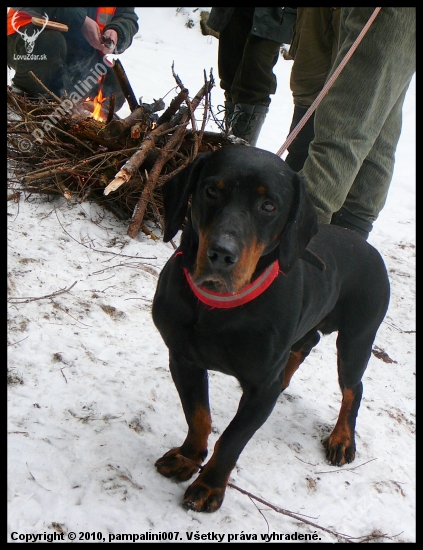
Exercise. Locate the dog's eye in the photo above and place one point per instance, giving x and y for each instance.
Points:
(211, 192)
(268, 206)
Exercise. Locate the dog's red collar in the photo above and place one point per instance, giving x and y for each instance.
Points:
(228, 300)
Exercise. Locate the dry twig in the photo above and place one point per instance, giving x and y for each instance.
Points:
(298, 517)
(29, 299)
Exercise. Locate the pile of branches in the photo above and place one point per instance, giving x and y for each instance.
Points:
(119, 163)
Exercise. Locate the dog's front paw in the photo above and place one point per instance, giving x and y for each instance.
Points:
(172, 465)
(202, 498)
(339, 452)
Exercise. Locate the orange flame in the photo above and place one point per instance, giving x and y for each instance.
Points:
(98, 100)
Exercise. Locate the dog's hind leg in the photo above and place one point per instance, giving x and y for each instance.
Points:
(299, 352)
(357, 317)
(353, 357)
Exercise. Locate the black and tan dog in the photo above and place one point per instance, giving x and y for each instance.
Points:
(252, 284)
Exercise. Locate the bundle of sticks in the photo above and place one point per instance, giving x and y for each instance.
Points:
(119, 163)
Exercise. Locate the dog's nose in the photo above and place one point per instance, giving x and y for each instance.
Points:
(223, 254)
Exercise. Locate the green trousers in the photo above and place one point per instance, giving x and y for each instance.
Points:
(314, 47)
(358, 123)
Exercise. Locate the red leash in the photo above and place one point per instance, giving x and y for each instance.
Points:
(328, 84)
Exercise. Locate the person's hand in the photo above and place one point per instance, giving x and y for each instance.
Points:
(91, 32)
(111, 40)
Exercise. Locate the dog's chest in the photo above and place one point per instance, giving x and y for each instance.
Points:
(234, 346)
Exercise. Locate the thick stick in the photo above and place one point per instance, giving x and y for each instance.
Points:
(111, 108)
(124, 84)
(173, 107)
(166, 153)
(169, 150)
(115, 128)
(131, 165)
(39, 22)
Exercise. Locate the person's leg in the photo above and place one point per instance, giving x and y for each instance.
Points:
(313, 48)
(351, 117)
(253, 84)
(255, 80)
(232, 41)
(298, 150)
(46, 61)
(368, 193)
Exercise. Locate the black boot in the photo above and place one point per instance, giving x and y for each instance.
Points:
(247, 121)
(229, 113)
(344, 218)
(298, 150)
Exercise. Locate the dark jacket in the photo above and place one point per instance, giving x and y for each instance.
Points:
(272, 23)
(124, 22)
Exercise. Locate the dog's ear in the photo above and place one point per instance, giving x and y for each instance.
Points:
(302, 225)
(176, 192)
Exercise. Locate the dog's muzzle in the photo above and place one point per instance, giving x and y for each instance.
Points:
(223, 254)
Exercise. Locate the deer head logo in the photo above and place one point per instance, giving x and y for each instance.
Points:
(29, 40)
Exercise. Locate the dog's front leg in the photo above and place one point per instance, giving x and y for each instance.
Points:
(207, 492)
(192, 386)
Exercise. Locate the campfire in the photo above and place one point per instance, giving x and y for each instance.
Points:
(98, 113)
(98, 100)
(86, 152)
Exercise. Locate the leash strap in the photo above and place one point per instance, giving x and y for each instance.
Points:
(328, 84)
